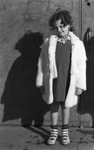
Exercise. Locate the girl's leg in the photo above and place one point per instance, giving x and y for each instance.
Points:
(54, 113)
(54, 118)
(65, 116)
(65, 127)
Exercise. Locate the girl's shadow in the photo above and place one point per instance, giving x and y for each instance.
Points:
(21, 98)
(44, 132)
(39, 131)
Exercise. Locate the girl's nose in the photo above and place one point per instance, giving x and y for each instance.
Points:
(59, 29)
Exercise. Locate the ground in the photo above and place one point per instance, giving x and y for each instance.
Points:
(34, 138)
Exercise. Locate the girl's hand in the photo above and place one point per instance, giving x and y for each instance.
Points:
(78, 91)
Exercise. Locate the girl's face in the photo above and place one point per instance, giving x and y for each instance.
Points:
(60, 29)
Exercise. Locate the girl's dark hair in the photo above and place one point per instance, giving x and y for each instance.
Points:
(65, 17)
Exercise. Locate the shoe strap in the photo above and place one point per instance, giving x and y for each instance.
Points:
(65, 133)
(54, 133)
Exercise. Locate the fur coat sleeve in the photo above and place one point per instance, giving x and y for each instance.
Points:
(42, 64)
(81, 66)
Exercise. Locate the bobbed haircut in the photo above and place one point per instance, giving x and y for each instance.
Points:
(65, 18)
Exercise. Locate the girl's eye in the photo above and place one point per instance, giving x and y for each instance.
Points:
(61, 27)
(55, 28)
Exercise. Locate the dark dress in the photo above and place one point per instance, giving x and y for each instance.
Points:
(61, 83)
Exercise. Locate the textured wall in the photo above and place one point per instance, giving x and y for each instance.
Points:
(23, 26)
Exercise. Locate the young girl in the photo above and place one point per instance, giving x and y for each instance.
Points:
(61, 72)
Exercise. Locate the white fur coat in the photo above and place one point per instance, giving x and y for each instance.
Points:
(47, 70)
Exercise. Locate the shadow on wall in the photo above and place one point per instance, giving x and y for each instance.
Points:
(86, 103)
(21, 98)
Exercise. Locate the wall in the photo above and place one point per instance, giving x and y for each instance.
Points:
(23, 26)
(86, 103)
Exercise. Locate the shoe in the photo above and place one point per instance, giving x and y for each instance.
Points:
(53, 137)
(65, 136)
